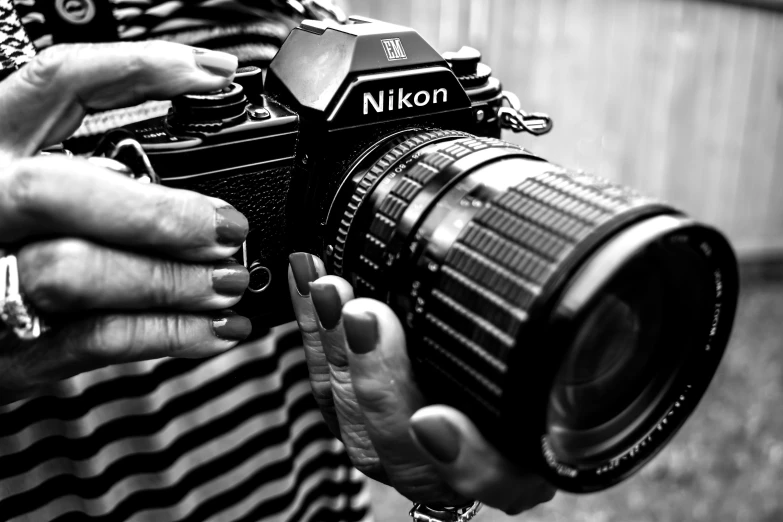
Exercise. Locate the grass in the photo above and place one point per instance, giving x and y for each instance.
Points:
(726, 464)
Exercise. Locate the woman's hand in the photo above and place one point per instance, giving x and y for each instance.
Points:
(361, 377)
(122, 271)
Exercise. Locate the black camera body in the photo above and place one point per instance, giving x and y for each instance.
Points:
(278, 152)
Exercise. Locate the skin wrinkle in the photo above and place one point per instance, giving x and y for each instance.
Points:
(64, 275)
(49, 205)
(420, 482)
(40, 74)
(51, 196)
(23, 184)
(165, 283)
(373, 406)
(387, 406)
(375, 400)
(137, 73)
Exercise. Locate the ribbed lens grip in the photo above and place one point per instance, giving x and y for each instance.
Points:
(419, 182)
(502, 264)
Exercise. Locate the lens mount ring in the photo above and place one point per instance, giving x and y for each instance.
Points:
(366, 172)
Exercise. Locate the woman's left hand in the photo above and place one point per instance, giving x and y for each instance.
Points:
(361, 377)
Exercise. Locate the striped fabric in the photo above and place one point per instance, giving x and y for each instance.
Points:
(234, 438)
(15, 47)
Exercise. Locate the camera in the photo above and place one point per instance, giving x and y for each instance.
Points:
(577, 322)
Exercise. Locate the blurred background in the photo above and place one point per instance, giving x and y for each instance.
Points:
(680, 99)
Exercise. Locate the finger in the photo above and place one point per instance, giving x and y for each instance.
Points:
(384, 387)
(68, 275)
(303, 269)
(56, 195)
(328, 295)
(471, 465)
(45, 101)
(98, 341)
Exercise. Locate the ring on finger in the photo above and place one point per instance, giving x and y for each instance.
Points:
(15, 310)
(422, 513)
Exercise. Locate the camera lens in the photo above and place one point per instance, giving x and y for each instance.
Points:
(609, 360)
(575, 321)
(625, 351)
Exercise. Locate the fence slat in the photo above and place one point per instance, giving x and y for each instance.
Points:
(682, 99)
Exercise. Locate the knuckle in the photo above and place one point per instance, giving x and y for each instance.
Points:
(372, 397)
(23, 186)
(136, 62)
(166, 281)
(44, 68)
(366, 462)
(111, 338)
(126, 338)
(322, 393)
(466, 485)
(173, 333)
(178, 217)
(51, 273)
(421, 484)
(532, 497)
(343, 388)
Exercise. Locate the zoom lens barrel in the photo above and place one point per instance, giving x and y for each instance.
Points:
(574, 320)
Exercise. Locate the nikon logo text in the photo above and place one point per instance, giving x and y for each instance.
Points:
(404, 99)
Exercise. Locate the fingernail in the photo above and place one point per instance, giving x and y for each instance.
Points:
(216, 62)
(232, 327)
(361, 331)
(231, 225)
(303, 267)
(230, 279)
(327, 304)
(438, 436)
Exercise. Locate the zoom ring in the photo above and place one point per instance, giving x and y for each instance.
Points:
(376, 254)
(379, 169)
(500, 265)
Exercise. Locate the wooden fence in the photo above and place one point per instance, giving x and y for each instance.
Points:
(681, 99)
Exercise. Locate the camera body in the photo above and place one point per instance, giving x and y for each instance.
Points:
(278, 151)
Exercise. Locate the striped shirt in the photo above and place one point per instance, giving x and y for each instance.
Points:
(237, 437)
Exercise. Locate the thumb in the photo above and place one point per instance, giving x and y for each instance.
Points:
(45, 101)
(471, 465)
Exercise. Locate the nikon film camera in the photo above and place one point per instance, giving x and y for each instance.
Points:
(575, 321)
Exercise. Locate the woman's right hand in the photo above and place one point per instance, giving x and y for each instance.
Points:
(122, 270)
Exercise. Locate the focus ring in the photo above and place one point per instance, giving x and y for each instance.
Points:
(500, 264)
(432, 163)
